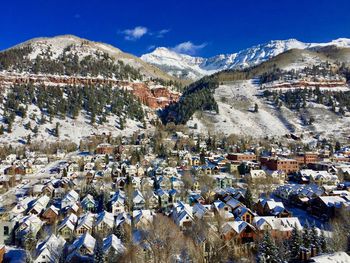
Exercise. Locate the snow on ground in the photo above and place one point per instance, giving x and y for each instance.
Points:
(236, 102)
(69, 129)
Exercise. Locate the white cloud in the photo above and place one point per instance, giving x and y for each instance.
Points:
(136, 33)
(161, 33)
(188, 48)
(151, 47)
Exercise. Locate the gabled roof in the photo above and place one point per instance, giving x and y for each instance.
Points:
(86, 221)
(86, 241)
(88, 199)
(52, 247)
(114, 242)
(238, 226)
(106, 217)
(275, 223)
(69, 222)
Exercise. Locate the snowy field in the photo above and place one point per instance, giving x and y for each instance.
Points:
(236, 101)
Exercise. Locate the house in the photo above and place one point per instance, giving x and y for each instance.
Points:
(30, 223)
(201, 211)
(257, 174)
(70, 198)
(277, 227)
(233, 203)
(269, 207)
(88, 203)
(39, 205)
(118, 202)
(239, 230)
(105, 148)
(163, 198)
(49, 250)
(67, 227)
(112, 245)
(85, 224)
(123, 218)
(73, 167)
(50, 215)
(241, 157)
(220, 207)
(183, 215)
(327, 206)
(82, 246)
(277, 163)
(104, 222)
(143, 217)
(244, 214)
(138, 200)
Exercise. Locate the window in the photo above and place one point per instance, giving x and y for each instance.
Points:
(6, 231)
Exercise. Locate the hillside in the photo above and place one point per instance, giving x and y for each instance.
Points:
(236, 115)
(66, 87)
(65, 46)
(187, 67)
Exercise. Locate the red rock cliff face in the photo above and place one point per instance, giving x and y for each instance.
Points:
(158, 97)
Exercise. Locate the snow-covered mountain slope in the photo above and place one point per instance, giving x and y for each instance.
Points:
(236, 101)
(185, 66)
(179, 65)
(70, 44)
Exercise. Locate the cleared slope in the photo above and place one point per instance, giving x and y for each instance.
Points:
(236, 102)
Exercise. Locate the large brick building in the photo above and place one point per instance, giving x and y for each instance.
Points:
(105, 148)
(307, 158)
(280, 164)
(248, 156)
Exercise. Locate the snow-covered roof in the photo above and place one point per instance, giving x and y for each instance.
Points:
(114, 242)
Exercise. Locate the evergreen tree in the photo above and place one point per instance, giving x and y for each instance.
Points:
(295, 243)
(2, 129)
(248, 199)
(30, 242)
(106, 159)
(256, 107)
(337, 146)
(27, 126)
(202, 157)
(36, 129)
(29, 138)
(56, 131)
(323, 243)
(99, 253)
(315, 238)
(268, 252)
(306, 236)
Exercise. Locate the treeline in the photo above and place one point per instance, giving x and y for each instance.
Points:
(197, 96)
(322, 70)
(68, 101)
(297, 99)
(170, 83)
(290, 250)
(68, 63)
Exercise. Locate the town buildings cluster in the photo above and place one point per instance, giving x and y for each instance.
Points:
(89, 205)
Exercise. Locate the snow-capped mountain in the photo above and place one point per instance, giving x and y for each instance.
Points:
(179, 65)
(53, 47)
(188, 67)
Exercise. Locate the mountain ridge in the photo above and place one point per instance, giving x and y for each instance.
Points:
(185, 66)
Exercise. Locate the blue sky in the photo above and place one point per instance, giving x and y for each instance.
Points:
(204, 28)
